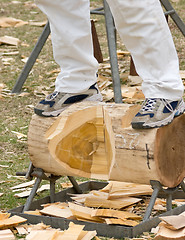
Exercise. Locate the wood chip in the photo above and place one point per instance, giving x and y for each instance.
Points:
(12, 221)
(55, 211)
(174, 222)
(168, 234)
(36, 212)
(42, 234)
(11, 22)
(21, 230)
(115, 214)
(73, 232)
(83, 212)
(9, 40)
(115, 204)
(6, 234)
(121, 222)
(23, 185)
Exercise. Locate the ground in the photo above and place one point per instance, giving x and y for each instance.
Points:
(17, 109)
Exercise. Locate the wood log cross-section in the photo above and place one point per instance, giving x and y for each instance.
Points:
(96, 140)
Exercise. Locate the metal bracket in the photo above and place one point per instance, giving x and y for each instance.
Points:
(40, 175)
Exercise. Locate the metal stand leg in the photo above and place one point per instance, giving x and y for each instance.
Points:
(168, 192)
(153, 198)
(32, 194)
(75, 185)
(111, 38)
(173, 14)
(31, 60)
(182, 186)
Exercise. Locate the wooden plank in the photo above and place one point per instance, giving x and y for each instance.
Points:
(115, 204)
(115, 214)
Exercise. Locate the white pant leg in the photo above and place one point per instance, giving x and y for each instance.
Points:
(144, 30)
(72, 43)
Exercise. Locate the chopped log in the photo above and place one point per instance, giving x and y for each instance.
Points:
(97, 141)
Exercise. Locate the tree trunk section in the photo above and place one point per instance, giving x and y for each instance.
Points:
(96, 140)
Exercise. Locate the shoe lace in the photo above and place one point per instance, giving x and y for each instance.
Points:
(167, 104)
(52, 96)
(148, 105)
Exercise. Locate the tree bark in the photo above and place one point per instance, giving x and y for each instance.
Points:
(96, 140)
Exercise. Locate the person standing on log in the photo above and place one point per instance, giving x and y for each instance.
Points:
(142, 26)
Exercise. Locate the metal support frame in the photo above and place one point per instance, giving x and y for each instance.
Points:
(40, 175)
(157, 187)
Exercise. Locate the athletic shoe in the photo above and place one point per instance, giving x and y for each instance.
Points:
(157, 112)
(57, 102)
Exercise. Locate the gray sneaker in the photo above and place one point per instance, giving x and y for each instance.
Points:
(57, 102)
(157, 112)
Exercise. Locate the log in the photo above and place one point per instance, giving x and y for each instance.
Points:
(96, 140)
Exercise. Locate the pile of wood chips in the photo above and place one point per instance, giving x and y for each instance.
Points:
(101, 206)
(9, 229)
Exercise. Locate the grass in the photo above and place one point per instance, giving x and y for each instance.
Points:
(16, 110)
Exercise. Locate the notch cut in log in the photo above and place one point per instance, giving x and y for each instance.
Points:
(96, 140)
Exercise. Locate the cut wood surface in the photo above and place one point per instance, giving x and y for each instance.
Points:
(96, 140)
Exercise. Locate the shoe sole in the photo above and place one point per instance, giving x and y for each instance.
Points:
(164, 122)
(94, 98)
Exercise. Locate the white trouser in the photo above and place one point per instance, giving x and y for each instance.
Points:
(142, 27)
